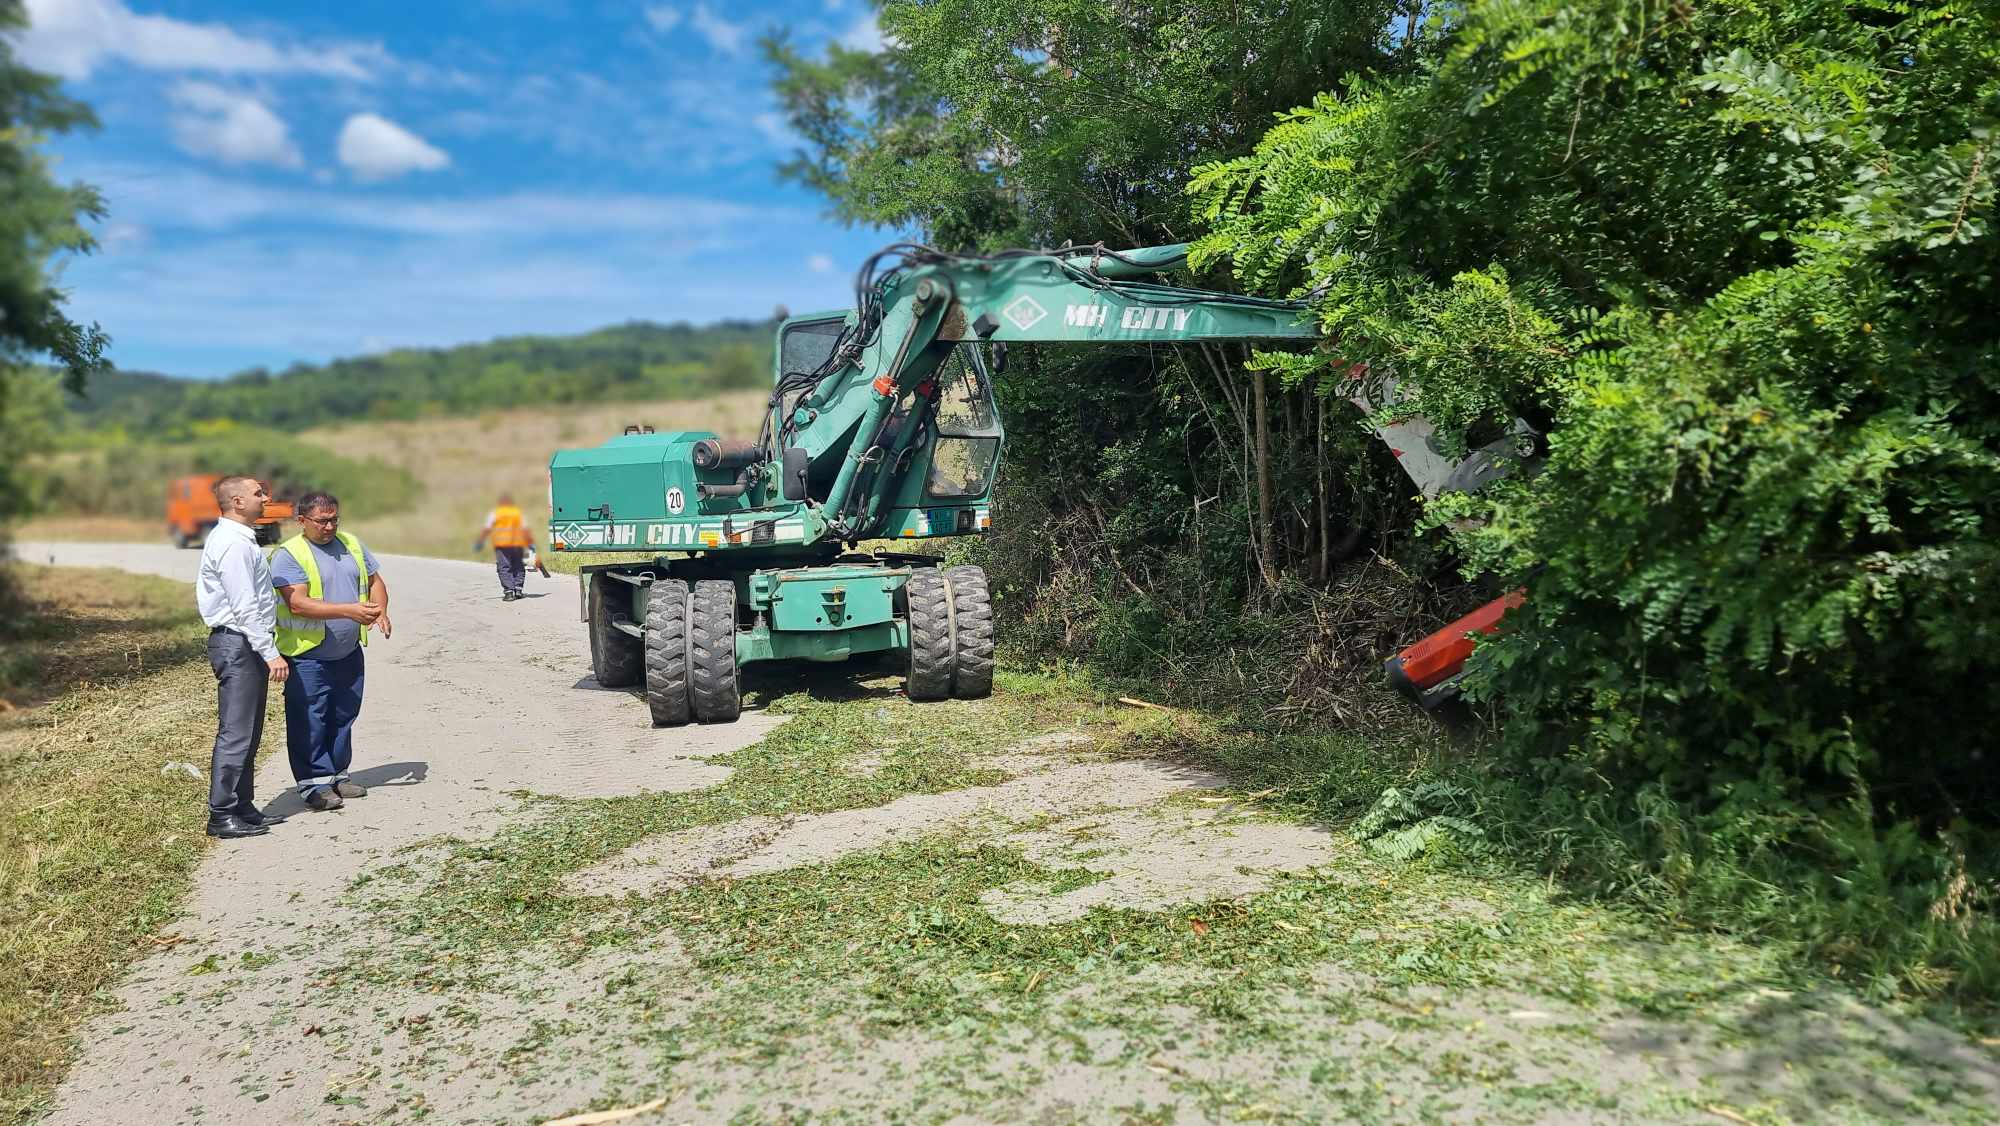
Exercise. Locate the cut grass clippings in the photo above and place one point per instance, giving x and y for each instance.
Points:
(896, 945)
(106, 679)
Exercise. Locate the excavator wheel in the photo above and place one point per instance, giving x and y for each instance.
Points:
(930, 636)
(713, 688)
(667, 606)
(972, 641)
(615, 655)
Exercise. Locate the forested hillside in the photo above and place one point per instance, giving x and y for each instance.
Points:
(625, 362)
(1737, 259)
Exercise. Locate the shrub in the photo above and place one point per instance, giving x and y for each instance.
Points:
(1739, 257)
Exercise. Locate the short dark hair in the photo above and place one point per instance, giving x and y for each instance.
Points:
(223, 488)
(316, 500)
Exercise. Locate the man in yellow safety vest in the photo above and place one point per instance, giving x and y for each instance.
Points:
(330, 592)
(512, 541)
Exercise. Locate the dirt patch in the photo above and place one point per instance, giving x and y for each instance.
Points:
(1155, 859)
(758, 846)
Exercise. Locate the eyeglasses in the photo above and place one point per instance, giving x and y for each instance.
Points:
(322, 521)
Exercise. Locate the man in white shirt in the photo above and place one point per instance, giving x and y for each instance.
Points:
(233, 592)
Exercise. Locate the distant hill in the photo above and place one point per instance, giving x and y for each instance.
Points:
(626, 362)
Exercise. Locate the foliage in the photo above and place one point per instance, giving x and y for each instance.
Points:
(1428, 817)
(630, 362)
(1039, 121)
(1739, 256)
(40, 221)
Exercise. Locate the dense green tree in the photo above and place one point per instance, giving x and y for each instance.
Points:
(41, 220)
(1740, 257)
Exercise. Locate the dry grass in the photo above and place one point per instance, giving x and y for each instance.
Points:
(89, 529)
(103, 681)
(462, 464)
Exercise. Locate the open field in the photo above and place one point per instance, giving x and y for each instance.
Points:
(462, 464)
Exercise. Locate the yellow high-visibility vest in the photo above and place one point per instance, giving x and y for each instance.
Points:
(297, 635)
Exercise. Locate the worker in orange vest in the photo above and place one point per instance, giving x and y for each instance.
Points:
(512, 542)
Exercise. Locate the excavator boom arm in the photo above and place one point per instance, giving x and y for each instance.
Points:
(913, 312)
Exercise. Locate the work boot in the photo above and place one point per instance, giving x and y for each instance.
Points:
(510, 596)
(324, 799)
(256, 816)
(229, 826)
(348, 789)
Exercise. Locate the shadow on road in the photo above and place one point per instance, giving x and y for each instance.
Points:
(387, 776)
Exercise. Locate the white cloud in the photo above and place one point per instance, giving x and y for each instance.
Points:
(820, 263)
(186, 199)
(375, 148)
(663, 17)
(74, 37)
(729, 38)
(230, 126)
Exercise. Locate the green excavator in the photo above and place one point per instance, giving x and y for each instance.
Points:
(881, 425)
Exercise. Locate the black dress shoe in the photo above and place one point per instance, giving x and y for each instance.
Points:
(229, 826)
(256, 817)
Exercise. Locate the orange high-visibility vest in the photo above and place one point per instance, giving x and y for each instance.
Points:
(509, 529)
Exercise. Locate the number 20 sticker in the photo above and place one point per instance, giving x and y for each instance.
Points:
(676, 500)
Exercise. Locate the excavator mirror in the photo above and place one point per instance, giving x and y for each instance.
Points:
(797, 462)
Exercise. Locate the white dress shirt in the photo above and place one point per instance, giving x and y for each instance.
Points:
(233, 588)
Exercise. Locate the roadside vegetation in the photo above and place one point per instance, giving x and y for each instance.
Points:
(104, 688)
(1734, 260)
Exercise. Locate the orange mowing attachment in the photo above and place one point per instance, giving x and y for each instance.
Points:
(1428, 671)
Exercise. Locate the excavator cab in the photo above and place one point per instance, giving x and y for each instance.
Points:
(946, 433)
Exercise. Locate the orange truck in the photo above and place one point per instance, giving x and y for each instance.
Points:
(191, 511)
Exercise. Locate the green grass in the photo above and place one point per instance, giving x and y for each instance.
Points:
(97, 846)
(895, 944)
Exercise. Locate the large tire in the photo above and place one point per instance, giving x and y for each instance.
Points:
(667, 652)
(177, 538)
(615, 656)
(972, 633)
(713, 687)
(930, 636)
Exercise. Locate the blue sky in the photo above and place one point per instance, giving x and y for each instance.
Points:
(302, 181)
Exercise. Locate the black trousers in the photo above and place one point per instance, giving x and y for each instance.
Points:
(241, 677)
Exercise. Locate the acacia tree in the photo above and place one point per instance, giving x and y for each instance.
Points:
(40, 220)
(1741, 257)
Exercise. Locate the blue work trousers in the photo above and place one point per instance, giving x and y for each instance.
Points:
(511, 564)
(322, 699)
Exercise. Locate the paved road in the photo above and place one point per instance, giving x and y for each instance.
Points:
(471, 700)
